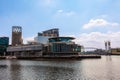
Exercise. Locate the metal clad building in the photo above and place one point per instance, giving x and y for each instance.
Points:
(51, 32)
(45, 35)
(25, 50)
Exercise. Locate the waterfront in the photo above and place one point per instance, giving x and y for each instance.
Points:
(106, 68)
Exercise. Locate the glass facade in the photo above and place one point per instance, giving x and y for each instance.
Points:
(61, 39)
(63, 45)
(4, 42)
(42, 39)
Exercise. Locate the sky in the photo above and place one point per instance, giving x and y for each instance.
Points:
(91, 22)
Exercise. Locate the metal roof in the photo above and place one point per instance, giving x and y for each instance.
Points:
(62, 37)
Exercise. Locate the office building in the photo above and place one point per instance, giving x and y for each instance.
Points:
(17, 36)
(115, 51)
(4, 42)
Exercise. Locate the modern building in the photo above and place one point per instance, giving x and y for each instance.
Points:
(51, 32)
(62, 46)
(115, 51)
(4, 42)
(46, 44)
(25, 50)
(45, 35)
(17, 35)
(42, 39)
(108, 46)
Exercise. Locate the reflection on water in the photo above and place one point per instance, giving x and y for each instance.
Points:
(106, 68)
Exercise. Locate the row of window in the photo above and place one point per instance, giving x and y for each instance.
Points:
(24, 48)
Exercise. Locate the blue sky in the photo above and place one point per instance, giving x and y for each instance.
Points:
(91, 22)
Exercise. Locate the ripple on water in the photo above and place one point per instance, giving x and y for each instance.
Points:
(106, 68)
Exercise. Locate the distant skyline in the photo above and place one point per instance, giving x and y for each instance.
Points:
(91, 22)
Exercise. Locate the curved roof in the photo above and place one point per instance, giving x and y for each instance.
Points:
(61, 39)
(71, 38)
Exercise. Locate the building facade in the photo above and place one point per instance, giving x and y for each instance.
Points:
(51, 32)
(25, 50)
(115, 51)
(45, 35)
(4, 42)
(42, 39)
(62, 46)
(17, 36)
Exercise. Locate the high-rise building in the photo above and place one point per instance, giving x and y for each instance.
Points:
(108, 46)
(17, 35)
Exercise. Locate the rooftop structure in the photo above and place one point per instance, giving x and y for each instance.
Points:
(51, 32)
(45, 35)
(17, 36)
(41, 39)
(61, 39)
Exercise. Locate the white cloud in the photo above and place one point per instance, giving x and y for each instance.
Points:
(60, 11)
(65, 13)
(96, 39)
(25, 40)
(99, 23)
(69, 35)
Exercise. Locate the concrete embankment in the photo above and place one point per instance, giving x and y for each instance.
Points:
(53, 57)
(2, 57)
(60, 57)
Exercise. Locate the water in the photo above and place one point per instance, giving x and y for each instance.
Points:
(106, 68)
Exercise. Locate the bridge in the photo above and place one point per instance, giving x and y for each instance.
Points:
(90, 48)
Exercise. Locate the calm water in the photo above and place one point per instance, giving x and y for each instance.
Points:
(106, 68)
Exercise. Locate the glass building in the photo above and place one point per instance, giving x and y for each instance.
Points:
(42, 39)
(62, 46)
(4, 42)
